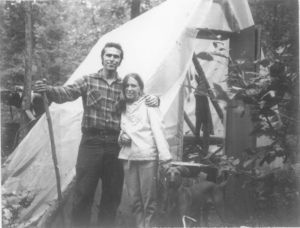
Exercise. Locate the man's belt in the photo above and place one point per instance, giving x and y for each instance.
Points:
(100, 132)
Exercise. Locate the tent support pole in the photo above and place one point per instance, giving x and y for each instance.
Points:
(53, 150)
(189, 122)
(210, 94)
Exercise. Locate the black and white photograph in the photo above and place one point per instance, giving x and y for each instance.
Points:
(149, 113)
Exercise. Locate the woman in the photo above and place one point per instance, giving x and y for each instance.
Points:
(143, 145)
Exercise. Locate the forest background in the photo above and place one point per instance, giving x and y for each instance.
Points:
(64, 31)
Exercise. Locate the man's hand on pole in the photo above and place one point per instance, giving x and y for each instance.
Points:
(41, 86)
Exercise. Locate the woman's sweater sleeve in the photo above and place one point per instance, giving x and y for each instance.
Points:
(157, 127)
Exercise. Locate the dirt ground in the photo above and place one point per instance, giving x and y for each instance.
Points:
(125, 219)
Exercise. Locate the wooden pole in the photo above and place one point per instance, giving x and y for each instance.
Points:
(210, 94)
(51, 134)
(53, 149)
(59, 205)
(54, 158)
(189, 123)
(28, 56)
(135, 8)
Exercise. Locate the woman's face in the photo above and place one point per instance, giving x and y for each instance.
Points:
(132, 90)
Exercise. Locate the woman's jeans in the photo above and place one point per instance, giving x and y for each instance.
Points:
(141, 183)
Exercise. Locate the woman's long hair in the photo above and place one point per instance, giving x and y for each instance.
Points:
(121, 106)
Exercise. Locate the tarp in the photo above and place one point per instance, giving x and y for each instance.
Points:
(159, 46)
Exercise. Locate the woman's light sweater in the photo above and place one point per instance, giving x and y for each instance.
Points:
(145, 128)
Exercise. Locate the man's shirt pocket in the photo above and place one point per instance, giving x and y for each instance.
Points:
(94, 98)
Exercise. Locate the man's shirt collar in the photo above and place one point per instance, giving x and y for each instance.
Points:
(116, 77)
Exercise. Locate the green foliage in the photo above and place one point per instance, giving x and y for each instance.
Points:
(12, 204)
(273, 100)
(274, 106)
(273, 97)
(12, 42)
(63, 34)
(279, 22)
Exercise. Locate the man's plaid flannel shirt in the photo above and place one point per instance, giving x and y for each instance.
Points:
(98, 97)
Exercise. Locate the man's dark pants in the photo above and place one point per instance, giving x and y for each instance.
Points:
(97, 158)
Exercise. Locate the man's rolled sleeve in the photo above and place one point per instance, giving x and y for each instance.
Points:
(66, 93)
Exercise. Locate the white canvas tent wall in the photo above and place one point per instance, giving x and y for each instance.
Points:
(158, 45)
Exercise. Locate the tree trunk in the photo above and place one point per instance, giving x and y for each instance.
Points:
(135, 8)
(28, 69)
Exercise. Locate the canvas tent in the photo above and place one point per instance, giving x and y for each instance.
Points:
(159, 46)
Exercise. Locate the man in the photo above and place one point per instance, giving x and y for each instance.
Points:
(98, 150)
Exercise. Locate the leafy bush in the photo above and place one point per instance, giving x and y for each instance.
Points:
(273, 98)
(12, 204)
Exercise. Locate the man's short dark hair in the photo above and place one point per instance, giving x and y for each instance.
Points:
(114, 45)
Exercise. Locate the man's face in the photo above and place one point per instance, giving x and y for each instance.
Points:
(111, 58)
